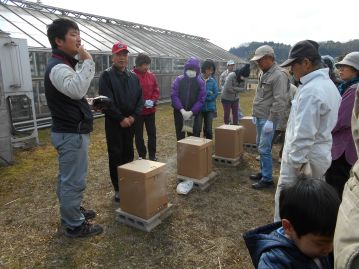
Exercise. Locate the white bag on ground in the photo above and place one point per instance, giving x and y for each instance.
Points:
(184, 187)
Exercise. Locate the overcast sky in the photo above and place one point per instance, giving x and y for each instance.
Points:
(229, 23)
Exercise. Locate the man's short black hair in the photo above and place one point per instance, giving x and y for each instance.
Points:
(142, 59)
(315, 60)
(208, 64)
(311, 206)
(58, 29)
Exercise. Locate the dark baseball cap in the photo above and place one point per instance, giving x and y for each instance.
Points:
(302, 49)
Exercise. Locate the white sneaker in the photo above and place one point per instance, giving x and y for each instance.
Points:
(258, 158)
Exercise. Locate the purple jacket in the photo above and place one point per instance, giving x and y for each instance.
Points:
(342, 135)
(189, 93)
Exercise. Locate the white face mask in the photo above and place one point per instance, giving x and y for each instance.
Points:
(191, 73)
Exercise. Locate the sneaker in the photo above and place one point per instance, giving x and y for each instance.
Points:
(256, 176)
(117, 196)
(86, 229)
(258, 158)
(88, 214)
(154, 159)
(262, 184)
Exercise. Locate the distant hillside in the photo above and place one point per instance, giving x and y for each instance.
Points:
(335, 49)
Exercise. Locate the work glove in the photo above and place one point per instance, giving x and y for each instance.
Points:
(268, 126)
(149, 103)
(254, 120)
(187, 115)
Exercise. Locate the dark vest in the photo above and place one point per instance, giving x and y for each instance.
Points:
(68, 115)
(189, 89)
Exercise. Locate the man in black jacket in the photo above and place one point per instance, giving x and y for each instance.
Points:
(123, 88)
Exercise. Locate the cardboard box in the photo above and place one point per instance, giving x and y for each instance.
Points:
(143, 190)
(229, 141)
(250, 132)
(194, 157)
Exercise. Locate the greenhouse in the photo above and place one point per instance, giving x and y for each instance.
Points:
(167, 49)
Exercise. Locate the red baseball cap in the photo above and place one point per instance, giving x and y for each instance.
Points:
(118, 47)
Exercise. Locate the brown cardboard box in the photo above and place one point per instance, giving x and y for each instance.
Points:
(250, 130)
(229, 141)
(194, 157)
(143, 190)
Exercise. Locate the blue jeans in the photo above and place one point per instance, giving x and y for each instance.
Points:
(73, 159)
(264, 144)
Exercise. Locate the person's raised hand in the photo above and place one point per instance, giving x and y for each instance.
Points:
(83, 53)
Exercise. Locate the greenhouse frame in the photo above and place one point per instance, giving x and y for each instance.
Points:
(168, 49)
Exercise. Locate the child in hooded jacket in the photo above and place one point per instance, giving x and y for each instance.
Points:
(304, 236)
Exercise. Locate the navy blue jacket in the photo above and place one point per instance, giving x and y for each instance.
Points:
(271, 250)
(124, 89)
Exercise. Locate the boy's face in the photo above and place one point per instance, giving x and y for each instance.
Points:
(71, 43)
(313, 245)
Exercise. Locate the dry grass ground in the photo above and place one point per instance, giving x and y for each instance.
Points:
(204, 231)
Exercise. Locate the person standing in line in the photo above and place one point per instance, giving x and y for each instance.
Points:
(188, 96)
(328, 62)
(208, 110)
(72, 122)
(123, 88)
(151, 94)
(346, 237)
(268, 108)
(279, 134)
(343, 149)
(314, 113)
(230, 95)
(222, 78)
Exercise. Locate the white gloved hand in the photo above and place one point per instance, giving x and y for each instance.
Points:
(182, 111)
(187, 115)
(268, 126)
(149, 103)
(254, 120)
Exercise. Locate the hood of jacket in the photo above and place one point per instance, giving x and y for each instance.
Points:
(192, 63)
(265, 238)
